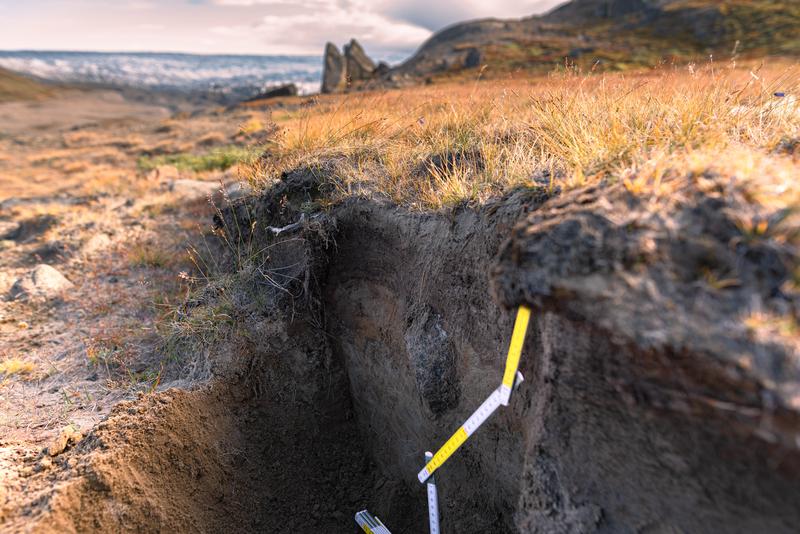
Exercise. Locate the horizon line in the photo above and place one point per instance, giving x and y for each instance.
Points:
(183, 53)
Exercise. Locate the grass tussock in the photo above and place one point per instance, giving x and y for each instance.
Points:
(438, 145)
(150, 255)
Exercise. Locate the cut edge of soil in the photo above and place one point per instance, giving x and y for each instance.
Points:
(381, 342)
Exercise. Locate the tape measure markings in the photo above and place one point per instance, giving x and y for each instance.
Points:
(370, 524)
(472, 424)
(433, 501)
(483, 412)
(515, 352)
(441, 456)
(499, 397)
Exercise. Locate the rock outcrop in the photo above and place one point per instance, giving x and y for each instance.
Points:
(334, 73)
(287, 89)
(343, 70)
(674, 29)
(359, 66)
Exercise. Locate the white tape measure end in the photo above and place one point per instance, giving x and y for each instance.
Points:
(423, 475)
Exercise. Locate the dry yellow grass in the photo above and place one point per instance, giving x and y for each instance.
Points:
(149, 255)
(16, 366)
(437, 145)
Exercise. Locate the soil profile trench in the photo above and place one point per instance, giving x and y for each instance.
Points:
(386, 339)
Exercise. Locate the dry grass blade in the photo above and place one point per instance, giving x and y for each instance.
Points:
(573, 128)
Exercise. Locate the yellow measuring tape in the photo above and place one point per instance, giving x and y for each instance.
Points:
(447, 450)
(515, 351)
(500, 397)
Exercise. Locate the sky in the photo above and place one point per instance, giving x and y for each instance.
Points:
(239, 26)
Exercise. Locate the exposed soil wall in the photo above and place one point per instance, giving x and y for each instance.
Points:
(368, 333)
(407, 306)
(607, 434)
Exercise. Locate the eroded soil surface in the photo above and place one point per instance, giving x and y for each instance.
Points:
(73, 196)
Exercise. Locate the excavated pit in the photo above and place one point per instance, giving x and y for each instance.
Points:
(391, 327)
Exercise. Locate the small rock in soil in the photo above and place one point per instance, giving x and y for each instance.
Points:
(237, 190)
(43, 282)
(69, 436)
(288, 89)
(95, 244)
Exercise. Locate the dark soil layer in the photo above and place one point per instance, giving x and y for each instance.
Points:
(647, 406)
(608, 433)
(408, 309)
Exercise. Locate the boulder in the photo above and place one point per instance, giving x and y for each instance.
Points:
(354, 66)
(288, 89)
(334, 74)
(43, 282)
(359, 66)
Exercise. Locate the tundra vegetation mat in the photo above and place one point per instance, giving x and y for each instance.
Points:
(350, 312)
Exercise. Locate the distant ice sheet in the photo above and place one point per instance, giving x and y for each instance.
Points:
(235, 75)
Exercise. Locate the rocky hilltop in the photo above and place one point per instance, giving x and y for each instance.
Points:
(607, 34)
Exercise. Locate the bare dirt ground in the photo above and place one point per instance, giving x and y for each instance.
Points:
(74, 108)
(73, 197)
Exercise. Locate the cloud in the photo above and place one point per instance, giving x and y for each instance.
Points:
(240, 26)
(385, 25)
(301, 4)
(311, 23)
(437, 15)
(139, 6)
(429, 14)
